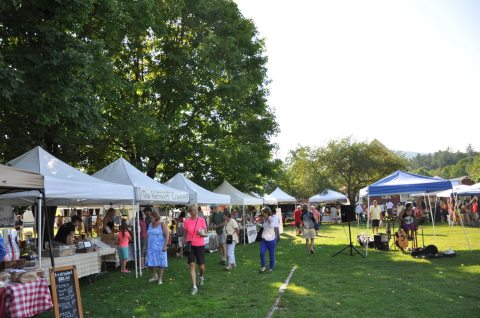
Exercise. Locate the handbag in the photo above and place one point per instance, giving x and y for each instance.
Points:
(229, 239)
(187, 247)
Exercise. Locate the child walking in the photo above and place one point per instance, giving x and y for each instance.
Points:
(123, 239)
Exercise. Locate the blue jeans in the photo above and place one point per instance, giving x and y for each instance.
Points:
(270, 245)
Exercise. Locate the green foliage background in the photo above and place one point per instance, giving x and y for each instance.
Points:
(169, 85)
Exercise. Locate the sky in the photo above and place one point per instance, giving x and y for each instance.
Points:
(404, 72)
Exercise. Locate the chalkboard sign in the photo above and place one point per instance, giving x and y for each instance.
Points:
(66, 292)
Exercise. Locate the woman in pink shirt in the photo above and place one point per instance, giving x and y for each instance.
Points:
(123, 239)
(195, 229)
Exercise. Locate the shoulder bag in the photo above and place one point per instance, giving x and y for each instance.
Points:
(187, 247)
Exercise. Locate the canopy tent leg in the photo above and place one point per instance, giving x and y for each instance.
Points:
(244, 227)
(138, 239)
(39, 232)
(52, 261)
(135, 241)
(455, 209)
(368, 222)
(432, 215)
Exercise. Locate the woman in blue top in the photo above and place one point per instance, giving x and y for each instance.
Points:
(157, 237)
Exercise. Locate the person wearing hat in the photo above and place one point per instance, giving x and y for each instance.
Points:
(217, 222)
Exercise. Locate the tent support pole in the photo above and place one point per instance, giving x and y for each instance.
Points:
(52, 261)
(432, 215)
(461, 221)
(368, 222)
(244, 227)
(135, 241)
(138, 239)
(39, 232)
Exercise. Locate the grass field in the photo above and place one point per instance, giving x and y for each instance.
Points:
(382, 284)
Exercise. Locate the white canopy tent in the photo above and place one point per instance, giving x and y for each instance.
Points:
(147, 191)
(269, 200)
(474, 189)
(15, 180)
(282, 197)
(236, 196)
(328, 195)
(449, 192)
(198, 195)
(63, 185)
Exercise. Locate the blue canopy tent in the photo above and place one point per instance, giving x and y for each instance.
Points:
(401, 182)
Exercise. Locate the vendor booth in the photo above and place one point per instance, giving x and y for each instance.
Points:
(401, 182)
(326, 196)
(14, 284)
(65, 186)
(147, 192)
(197, 194)
(248, 230)
(282, 198)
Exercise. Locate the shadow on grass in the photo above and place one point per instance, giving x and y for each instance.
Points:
(343, 286)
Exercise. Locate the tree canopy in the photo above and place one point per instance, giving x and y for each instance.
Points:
(169, 85)
(344, 164)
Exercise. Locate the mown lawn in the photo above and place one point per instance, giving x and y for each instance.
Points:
(383, 284)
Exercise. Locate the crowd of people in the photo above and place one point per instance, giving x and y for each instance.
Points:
(190, 228)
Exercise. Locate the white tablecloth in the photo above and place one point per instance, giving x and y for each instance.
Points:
(86, 263)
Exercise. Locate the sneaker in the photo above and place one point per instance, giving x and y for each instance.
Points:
(153, 279)
(234, 265)
(312, 252)
(227, 268)
(160, 282)
(270, 270)
(202, 280)
(262, 270)
(194, 290)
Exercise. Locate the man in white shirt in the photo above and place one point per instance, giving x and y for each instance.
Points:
(389, 208)
(359, 211)
(276, 225)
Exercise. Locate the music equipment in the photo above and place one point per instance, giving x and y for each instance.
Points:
(362, 240)
(428, 251)
(347, 213)
(381, 241)
(401, 240)
(420, 220)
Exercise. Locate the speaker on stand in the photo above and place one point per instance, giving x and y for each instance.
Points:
(347, 213)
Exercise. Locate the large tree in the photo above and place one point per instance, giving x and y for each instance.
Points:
(343, 164)
(49, 76)
(170, 85)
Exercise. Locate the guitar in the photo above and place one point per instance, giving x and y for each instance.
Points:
(401, 239)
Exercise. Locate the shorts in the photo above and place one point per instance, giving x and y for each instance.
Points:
(197, 253)
(123, 253)
(222, 238)
(375, 223)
